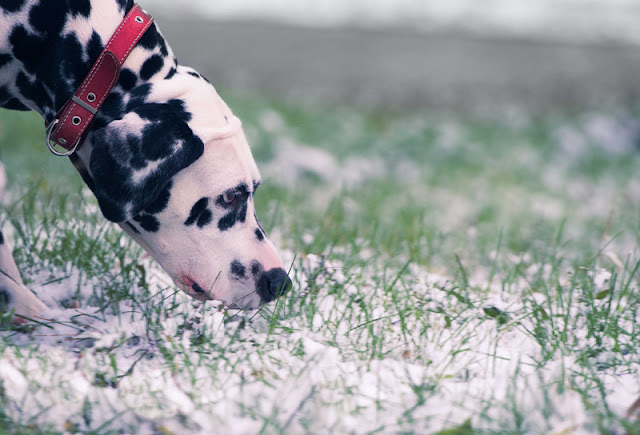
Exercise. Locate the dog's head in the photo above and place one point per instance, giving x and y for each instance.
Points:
(176, 172)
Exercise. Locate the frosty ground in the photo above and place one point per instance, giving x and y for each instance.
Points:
(477, 274)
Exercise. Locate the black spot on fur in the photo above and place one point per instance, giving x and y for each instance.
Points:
(138, 96)
(226, 222)
(4, 94)
(111, 109)
(5, 59)
(196, 288)
(133, 228)
(47, 18)
(171, 73)
(198, 75)
(200, 214)
(179, 108)
(5, 299)
(197, 208)
(24, 44)
(151, 66)
(94, 47)
(259, 235)
(125, 5)
(161, 202)
(230, 219)
(148, 222)
(128, 79)
(9, 102)
(151, 38)
(1, 238)
(15, 104)
(205, 218)
(33, 91)
(12, 5)
(79, 7)
(118, 151)
(256, 268)
(238, 270)
(73, 66)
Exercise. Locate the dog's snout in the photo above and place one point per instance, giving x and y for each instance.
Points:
(273, 284)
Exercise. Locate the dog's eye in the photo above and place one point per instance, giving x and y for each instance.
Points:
(233, 197)
(229, 197)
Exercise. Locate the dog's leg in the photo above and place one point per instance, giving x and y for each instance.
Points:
(13, 294)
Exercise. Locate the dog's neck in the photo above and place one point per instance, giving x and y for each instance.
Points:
(153, 123)
(50, 46)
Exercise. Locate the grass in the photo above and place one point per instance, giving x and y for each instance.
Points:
(452, 274)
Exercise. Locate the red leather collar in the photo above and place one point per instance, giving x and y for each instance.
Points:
(72, 121)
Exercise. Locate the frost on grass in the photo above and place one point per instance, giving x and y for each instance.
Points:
(294, 161)
(443, 273)
(354, 349)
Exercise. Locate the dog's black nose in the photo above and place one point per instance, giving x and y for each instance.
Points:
(273, 284)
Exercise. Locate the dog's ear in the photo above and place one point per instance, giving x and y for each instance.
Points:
(134, 158)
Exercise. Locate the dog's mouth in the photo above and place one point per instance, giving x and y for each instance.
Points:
(193, 289)
(245, 299)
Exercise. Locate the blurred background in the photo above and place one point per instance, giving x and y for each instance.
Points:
(459, 54)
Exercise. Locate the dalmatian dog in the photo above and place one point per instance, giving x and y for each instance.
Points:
(165, 157)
